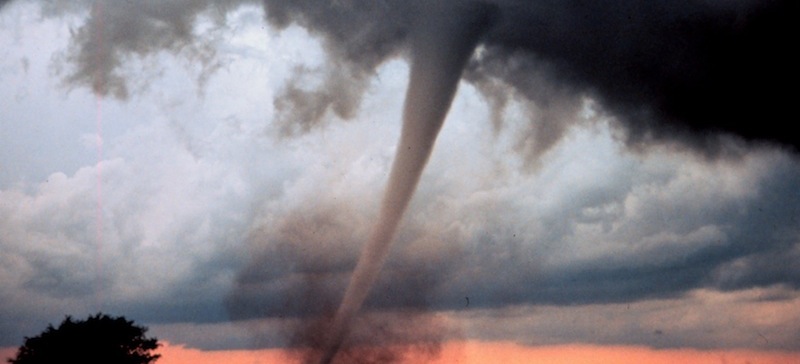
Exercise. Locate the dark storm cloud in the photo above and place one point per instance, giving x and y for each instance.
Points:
(664, 68)
(668, 71)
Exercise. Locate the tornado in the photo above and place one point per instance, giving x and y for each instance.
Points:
(440, 47)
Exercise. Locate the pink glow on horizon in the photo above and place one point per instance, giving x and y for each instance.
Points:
(6, 353)
(476, 352)
(179, 354)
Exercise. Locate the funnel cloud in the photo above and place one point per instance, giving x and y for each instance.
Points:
(441, 46)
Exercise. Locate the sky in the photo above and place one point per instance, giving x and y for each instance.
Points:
(611, 178)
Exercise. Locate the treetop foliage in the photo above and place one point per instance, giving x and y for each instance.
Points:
(99, 338)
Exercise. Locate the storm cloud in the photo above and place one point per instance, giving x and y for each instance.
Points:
(687, 71)
(570, 87)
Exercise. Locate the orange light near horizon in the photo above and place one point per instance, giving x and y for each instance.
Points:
(179, 354)
(478, 352)
(473, 352)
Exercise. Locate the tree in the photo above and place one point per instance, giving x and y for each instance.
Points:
(98, 339)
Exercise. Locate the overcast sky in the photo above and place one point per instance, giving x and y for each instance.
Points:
(212, 172)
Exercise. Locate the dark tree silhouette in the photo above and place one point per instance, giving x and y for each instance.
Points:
(98, 339)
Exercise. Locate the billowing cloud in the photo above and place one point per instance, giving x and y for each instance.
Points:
(667, 71)
(573, 233)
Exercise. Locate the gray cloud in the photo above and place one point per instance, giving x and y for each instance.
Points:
(666, 69)
(300, 110)
(701, 319)
(299, 265)
(668, 72)
(116, 31)
(678, 226)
